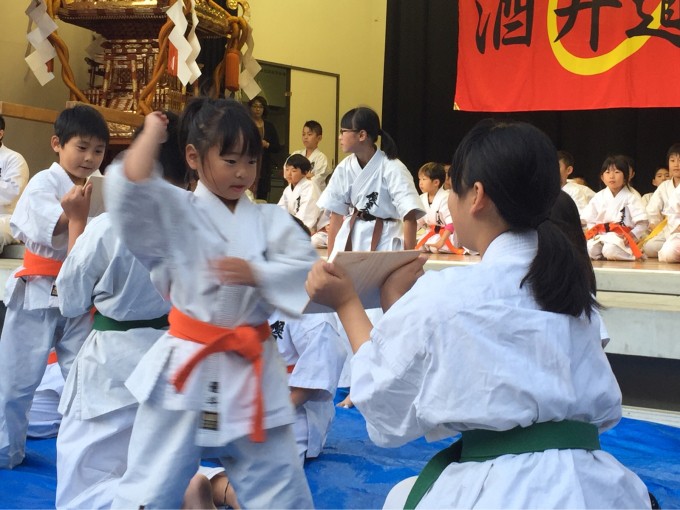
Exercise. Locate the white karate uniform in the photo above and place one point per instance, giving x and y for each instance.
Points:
(44, 417)
(579, 194)
(625, 208)
(438, 214)
(13, 179)
(670, 251)
(320, 237)
(486, 357)
(320, 167)
(311, 345)
(657, 208)
(301, 202)
(98, 409)
(646, 198)
(384, 188)
(33, 324)
(176, 235)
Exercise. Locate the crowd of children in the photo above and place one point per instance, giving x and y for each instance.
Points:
(175, 315)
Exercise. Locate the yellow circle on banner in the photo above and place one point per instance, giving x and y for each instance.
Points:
(600, 63)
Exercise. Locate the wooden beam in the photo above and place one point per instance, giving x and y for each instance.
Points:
(20, 111)
(116, 116)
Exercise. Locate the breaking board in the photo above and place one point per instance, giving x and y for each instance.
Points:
(97, 198)
(368, 271)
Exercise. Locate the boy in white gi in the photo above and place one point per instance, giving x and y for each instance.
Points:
(670, 251)
(99, 411)
(615, 217)
(436, 237)
(659, 207)
(213, 385)
(312, 134)
(13, 180)
(300, 196)
(507, 352)
(49, 216)
(580, 194)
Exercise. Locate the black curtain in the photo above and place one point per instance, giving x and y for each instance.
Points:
(421, 52)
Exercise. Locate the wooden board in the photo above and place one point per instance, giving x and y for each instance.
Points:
(111, 115)
(20, 111)
(97, 197)
(368, 271)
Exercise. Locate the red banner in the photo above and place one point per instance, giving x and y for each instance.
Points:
(524, 55)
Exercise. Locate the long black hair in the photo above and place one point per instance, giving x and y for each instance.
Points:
(517, 165)
(365, 119)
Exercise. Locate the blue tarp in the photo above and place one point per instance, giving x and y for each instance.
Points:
(354, 473)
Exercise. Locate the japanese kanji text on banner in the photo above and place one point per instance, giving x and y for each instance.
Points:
(525, 55)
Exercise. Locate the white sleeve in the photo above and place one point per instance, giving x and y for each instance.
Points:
(421, 221)
(320, 171)
(82, 269)
(149, 216)
(283, 201)
(589, 214)
(37, 213)
(336, 196)
(13, 178)
(655, 207)
(288, 259)
(403, 190)
(320, 359)
(673, 210)
(639, 216)
(446, 214)
(309, 212)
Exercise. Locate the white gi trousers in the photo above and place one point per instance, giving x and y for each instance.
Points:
(92, 458)
(670, 251)
(609, 246)
(27, 338)
(163, 457)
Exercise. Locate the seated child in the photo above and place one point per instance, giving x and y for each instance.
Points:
(660, 175)
(312, 134)
(431, 177)
(49, 216)
(577, 192)
(300, 198)
(670, 251)
(659, 203)
(615, 216)
(44, 418)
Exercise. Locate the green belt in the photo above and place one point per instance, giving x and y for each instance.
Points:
(103, 323)
(483, 445)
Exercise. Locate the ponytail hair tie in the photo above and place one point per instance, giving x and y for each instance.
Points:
(537, 223)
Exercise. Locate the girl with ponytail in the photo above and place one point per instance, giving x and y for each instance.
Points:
(507, 352)
(373, 201)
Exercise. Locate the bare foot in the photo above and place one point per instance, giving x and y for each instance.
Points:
(347, 403)
(199, 494)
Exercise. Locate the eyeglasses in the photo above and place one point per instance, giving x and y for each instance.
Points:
(257, 107)
(343, 131)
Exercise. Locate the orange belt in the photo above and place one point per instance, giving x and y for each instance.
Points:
(290, 369)
(603, 228)
(437, 229)
(52, 358)
(243, 340)
(35, 265)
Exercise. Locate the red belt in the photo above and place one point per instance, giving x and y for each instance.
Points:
(35, 265)
(243, 340)
(604, 228)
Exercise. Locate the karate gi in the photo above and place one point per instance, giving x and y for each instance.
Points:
(581, 195)
(484, 356)
(44, 417)
(98, 409)
(657, 208)
(625, 208)
(176, 235)
(383, 188)
(13, 179)
(320, 237)
(670, 251)
(310, 346)
(320, 167)
(301, 202)
(436, 214)
(33, 324)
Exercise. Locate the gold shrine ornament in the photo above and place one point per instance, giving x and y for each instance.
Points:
(601, 63)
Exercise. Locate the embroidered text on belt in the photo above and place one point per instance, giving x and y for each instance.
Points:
(35, 265)
(483, 445)
(604, 228)
(243, 340)
(437, 229)
(377, 229)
